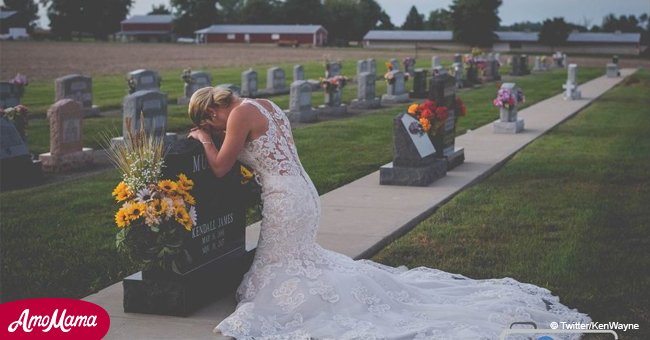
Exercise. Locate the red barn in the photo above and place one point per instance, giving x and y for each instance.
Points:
(314, 35)
(147, 28)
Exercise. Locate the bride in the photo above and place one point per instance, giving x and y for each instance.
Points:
(297, 290)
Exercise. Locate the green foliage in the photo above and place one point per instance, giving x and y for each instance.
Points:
(27, 12)
(414, 21)
(86, 17)
(302, 12)
(350, 20)
(524, 26)
(384, 22)
(260, 12)
(439, 20)
(193, 15)
(474, 21)
(624, 23)
(160, 9)
(554, 32)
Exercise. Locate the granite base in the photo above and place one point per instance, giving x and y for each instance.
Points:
(302, 116)
(333, 110)
(455, 158)
(412, 176)
(508, 127)
(67, 162)
(395, 99)
(91, 111)
(365, 104)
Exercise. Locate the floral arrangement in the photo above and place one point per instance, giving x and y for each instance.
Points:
(20, 81)
(186, 76)
(471, 61)
(429, 115)
(19, 116)
(507, 99)
(461, 110)
(408, 62)
(476, 51)
(154, 212)
(389, 76)
(334, 83)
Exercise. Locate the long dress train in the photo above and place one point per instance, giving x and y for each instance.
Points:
(295, 289)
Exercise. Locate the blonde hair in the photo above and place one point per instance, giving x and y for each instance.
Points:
(208, 97)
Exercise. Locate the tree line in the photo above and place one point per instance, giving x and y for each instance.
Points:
(472, 21)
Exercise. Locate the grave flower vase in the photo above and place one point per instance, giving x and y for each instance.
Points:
(438, 141)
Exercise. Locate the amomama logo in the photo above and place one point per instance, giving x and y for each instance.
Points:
(53, 319)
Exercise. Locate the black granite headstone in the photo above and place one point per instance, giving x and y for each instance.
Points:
(215, 246)
(419, 84)
(17, 169)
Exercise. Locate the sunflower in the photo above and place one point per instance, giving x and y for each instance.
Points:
(184, 183)
(122, 192)
(136, 210)
(413, 109)
(122, 218)
(182, 217)
(159, 206)
(246, 174)
(189, 199)
(167, 186)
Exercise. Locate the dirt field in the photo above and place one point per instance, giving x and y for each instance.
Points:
(49, 60)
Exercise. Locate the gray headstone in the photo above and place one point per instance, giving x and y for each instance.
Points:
(362, 66)
(333, 69)
(232, 87)
(249, 83)
(395, 63)
(458, 74)
(612, 70)
(75, 87)
(298, 72)
(435, 61)
(143, 80)
(275, 80)
(571, 90)
(300, 109)
(11, 145)
(198, 80)
(366, 86)
(372, 64)
(10, 94)
(508, 122)
(396, 88)
(153, 105)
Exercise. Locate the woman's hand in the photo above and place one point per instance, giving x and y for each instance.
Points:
(200, 135)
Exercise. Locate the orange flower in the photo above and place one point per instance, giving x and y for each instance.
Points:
(426, 113)
(184, 183)
(413, 109)
(426, 125)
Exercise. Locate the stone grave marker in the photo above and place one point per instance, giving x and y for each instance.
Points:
(508, 122)
(195, 81)
(249, 83)
(232, 87)
(442, 90)
(395, 64)
(571, 91)
(298, 72)
(216, 245)
(366, 92)
(612, 70)
(538, 66)
(459, 77)
(333, 68)
(419, 84)
(276, 82)
(363, 65)
(17, 169)
(66, 142)
(372, 66)
(142, 79)
(10, 94)
(300, 109)
(76, 87)
(151, 105)
(414, 156)
(396, 91)
(435, 61)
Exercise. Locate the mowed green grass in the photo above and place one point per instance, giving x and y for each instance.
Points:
(59, 240)
(569, 212)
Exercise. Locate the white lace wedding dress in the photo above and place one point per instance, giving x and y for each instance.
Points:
(297, 290)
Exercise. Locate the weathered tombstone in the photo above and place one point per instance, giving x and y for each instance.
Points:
(142, 79)
(615, 59)
(409, 66)
(515, 63)
(523, 62)
(298, 72)
(458, 58)
(442, 90)
(538, 67)
(196, 80)
(394, 64)
(10, 94)
(419, 84)
(458, 74)
(215, 246)
(372, 66)
(17, 169)
(435, 62)
(414, 156)
(612, 70)
(249, 83)
(395, 92)
(471, 77)
(571, 90)
(150, 105)
(333, 68)
(300, 109)
(488, 72)
(363, 65)
(276, 82)
(508, 122)
(333, 104)
(79, 88)
(66, 143)
(365, 92)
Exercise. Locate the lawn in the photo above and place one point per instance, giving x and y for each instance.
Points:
(569, 213)
(58, 240)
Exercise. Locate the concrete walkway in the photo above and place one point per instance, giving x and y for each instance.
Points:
(360, 218)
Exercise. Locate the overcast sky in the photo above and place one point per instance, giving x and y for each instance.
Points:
(583, 12)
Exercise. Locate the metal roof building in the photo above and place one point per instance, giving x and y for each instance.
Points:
(147, 28)
(315, 35)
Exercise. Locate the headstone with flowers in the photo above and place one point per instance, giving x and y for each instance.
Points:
(571, 91)
(396, 89)
(459, 76)
(298, 72)
(300, 108)
(333, 90)
(394, 64)
(12, 91)
(442, 97)
(193, 80)
(142, 79)
(276, 81)
(332, 68)
(419, 84)
(17, 169)
(414, 156)
(66, 142)
(149, 109)
(363, 65)
(508, 97)
(366, 98)
(249, 83)
(76, 87)
(409, 65)
(181, 224)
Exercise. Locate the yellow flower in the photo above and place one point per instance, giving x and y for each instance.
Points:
(136, 210)
(167, 186)
(426, 125)
(413, 109)
(122, 192)
(159, 206)
(184, 183)
(189, 199)
(182, 217)
(122, 218)
(246, 174)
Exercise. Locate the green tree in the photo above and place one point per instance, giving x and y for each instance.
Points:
(303, 12)
(525, 26)
(414, 21)
(86, 17)
(229, 11)
(160, 9)
(624, 23)
(193, 15)
(384, 22)
(347, 21)
(554, 32)
(474, 21)
(27, 12)
(260, 12)
(439, 20)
